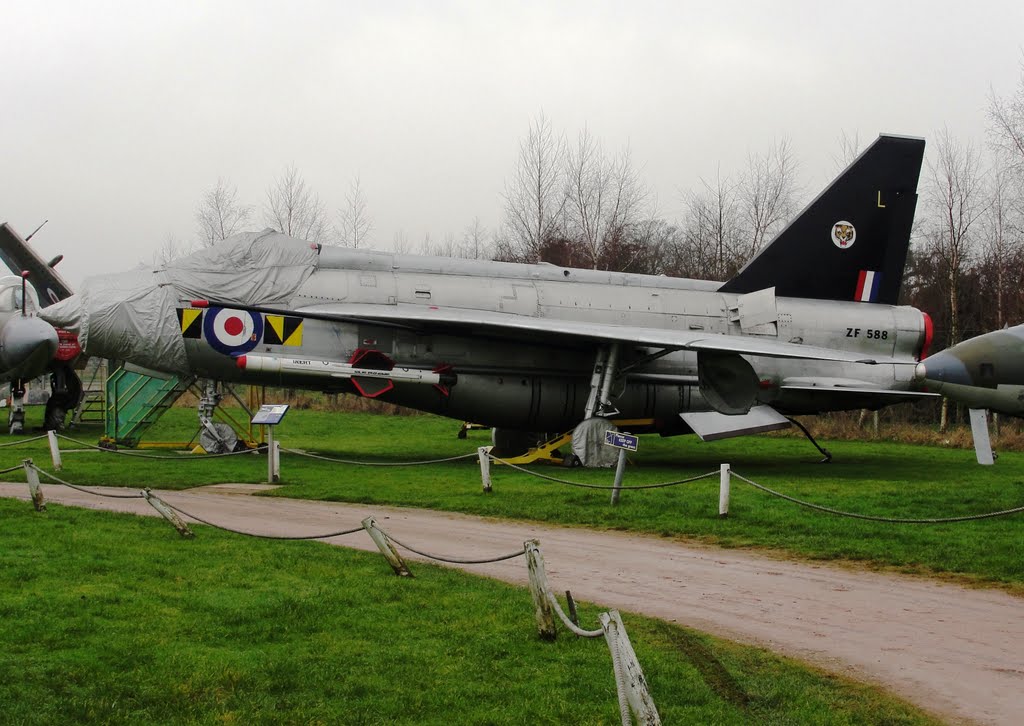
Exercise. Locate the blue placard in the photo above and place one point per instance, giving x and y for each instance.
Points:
(270, 414)
(621, 441)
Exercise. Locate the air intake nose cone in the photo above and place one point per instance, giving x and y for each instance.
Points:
(26, 346)
(945, 367)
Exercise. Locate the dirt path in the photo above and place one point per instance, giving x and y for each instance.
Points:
(953, 651)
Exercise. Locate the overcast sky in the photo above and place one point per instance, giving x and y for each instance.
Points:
(117, 117)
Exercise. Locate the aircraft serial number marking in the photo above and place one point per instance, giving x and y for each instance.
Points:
(869, 333)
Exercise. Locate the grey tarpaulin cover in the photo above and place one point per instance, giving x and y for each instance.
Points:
(128, 314)
(589, 446)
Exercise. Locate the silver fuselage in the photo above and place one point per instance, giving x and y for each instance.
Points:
(539, 385)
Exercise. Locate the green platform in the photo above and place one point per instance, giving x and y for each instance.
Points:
(136, 401)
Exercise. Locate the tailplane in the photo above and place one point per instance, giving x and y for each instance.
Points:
(18, 256)
(851, 242)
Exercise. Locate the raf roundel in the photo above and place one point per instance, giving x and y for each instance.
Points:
(232, 332)
(844, 235)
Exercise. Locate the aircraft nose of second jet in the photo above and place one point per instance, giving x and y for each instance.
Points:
(943, 367)
(27, 344)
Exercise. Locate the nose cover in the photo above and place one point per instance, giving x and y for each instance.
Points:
(27, 344)
(133, 316)
(129, 316)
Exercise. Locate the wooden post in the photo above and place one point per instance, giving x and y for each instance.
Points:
(169, 514)
(54, 450)
(386, 548)
(33, 485)
(620, 470)
(573, 615)
(724, 482)
(628, 669)
(539, 589)
(485, 467)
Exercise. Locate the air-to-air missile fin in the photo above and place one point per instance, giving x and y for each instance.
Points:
(851, 242)
(18, 256)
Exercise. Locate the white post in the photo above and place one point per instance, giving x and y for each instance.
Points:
(723, 491)
(33, 485)
(982, 443)
(620, 469)
(169, 514)
(386, 548)
(628, 674)
(273, 458)
(54, 449)
(485, 467)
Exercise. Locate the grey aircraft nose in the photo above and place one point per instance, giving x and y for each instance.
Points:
(27, 344)
(944, 367)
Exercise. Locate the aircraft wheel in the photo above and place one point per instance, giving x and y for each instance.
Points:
(509, 442)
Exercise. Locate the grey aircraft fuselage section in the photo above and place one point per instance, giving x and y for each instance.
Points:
(986, 371)
(543, 384)
(27, 343)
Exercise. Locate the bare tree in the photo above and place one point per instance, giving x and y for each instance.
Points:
(295, 210)
(849, 149)
(766, 193)
(712, 229)
(474, 241)
(1001, 234)
(169, 251)
(219, 214)
(955, 196)
(604, 198)
(1006, 133)
(354, 221)
(535, 195)
(400, 243)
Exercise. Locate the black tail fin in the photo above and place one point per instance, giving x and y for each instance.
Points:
(18, 256)
(851, 242)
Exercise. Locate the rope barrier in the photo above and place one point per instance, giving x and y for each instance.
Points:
(299, 452)
(9, 469)
(197, 518)
(872, 518)
(452, 560)
(602, 486)
(138, 455)
(57, 479)
(569, 623)
(23, 441)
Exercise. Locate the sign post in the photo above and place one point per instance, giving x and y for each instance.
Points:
(624, 443)
(269, 415)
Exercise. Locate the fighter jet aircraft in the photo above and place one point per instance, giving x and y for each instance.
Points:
(986, 373)
(29, 346)
(810, 324)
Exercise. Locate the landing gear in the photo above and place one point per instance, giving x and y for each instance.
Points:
(16, 419)
(605, 363)
(825, 452)
(215, 438)
(65, 394)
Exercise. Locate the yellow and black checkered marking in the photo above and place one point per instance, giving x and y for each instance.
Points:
(282, 330)
(191, 322)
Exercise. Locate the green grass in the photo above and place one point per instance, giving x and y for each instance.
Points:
(884, 479)
(114, 619)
